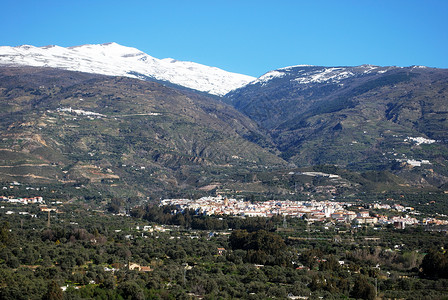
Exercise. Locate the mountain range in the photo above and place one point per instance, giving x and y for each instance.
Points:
(117, 60)
(165, 126)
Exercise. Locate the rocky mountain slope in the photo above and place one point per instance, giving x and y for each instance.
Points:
(120, 134)
(363, 118)
(374, 128)
(117, 60)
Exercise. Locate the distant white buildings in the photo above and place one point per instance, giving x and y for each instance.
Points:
(33, 200)
(419, 140)
(313, 210)
(415, 163)
(224, 206)
(81, 112)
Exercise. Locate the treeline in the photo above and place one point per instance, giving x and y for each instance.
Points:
(261, 247)
(191, 219)
(435, 264)
(80, 248)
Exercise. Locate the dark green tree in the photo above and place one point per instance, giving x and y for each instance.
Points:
(4, 234)
(131, 290)
(54, 292)
(363, 289)
(435, 264)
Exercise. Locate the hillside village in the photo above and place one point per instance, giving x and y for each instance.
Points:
(314, 211)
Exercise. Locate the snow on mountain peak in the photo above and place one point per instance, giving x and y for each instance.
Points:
(326, 75)
(117, 60)
(263, 79)
(107, 49)
(296, 66)
(309, 74)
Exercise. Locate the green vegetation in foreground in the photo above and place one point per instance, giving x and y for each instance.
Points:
(260, 259)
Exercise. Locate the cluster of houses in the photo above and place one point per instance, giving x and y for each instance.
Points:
(33, 200)
(224, 206)
(311, 210)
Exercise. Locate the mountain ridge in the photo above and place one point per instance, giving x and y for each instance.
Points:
(119, 135)
(117, 60)
(358, 117)
(389, 121)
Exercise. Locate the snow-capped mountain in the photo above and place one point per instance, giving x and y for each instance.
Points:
(117, 60)
(354, 116)
(293, 90)
(302, 75)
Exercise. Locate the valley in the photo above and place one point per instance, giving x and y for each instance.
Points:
(120, 181)
(130, 138)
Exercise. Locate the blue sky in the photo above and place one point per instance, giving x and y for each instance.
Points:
(245, 36)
